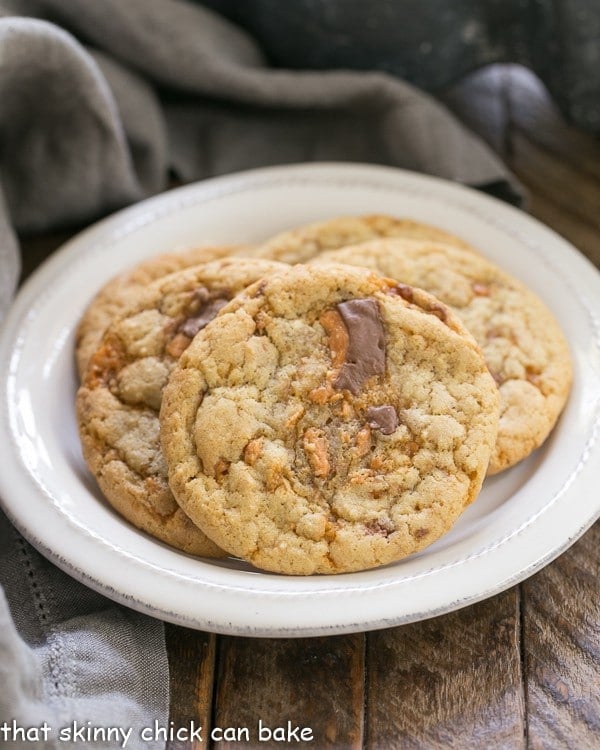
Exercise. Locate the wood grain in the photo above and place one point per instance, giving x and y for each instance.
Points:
(559, 167)
(450, 682)
(550, 175)
(561, 629)
(532, 112)
(191, 679)
(582, 235)
(311, 682)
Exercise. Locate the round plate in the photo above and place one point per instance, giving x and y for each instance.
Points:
(522, 519)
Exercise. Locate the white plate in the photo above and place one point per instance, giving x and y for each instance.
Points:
(522, 519)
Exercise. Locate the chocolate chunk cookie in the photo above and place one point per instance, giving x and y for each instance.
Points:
(115, 297)
(119, 400)
(523, 345)
(324, 423)
(301, 244)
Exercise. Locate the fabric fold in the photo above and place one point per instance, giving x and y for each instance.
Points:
(73, 658)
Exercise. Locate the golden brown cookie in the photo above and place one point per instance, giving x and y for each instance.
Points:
(323, 423)
(301, 244)
(115, 296)
(120, 398)
(523, 345)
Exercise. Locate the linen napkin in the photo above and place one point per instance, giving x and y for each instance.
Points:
(99, 103)
(74, 665)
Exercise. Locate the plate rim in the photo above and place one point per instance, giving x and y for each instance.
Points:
(141, 214)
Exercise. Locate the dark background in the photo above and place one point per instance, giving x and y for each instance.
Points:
(433, 43)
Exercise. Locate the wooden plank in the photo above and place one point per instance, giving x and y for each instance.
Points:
(584, 236)
(561, 627)
(314, 683)
(552, 177)
(450, 682)
(533, 112)
(191, 678)
(558, 164)
(498, 99)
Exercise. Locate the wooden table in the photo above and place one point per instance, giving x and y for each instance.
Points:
(520, 670)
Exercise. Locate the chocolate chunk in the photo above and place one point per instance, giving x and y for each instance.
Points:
(382, 418)
(404, 291)
(439, 311)
(191, 326)
(380, 527)
(366, 348)
(199, 297)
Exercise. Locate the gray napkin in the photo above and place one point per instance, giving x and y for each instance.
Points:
(99, 101)
(78, 663)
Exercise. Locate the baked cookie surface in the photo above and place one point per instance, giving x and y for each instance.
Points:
(114, 298)
(522, 343)
(120, 398)
(303, 243)
(323, 423)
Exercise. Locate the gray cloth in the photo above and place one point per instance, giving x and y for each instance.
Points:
(78, 662)
(98, 102)
(165, 85)
(432, 44)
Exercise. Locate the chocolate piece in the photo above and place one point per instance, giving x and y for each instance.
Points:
(404, 291)
(380, 527)
(191, 326)
(199, 297)
(439, 311)
(366, 347)
(382, 418)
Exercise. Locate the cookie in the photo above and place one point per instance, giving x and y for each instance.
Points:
(114, 298)
(324, 424)
(522, 343)
(120, 398)
(301, 244)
